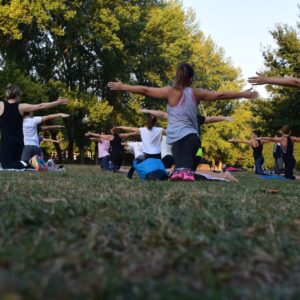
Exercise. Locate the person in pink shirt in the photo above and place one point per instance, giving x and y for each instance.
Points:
(103, 153)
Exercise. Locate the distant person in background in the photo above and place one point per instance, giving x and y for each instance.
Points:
(151, 137)
(257, 147)
(166, 153)
(287, 145)
(277, 154)
(136, 148)
(103, 152)
(116, 147)
(261, 79)
(30, 133)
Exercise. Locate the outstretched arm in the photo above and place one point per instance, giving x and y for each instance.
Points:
(95, 139)
(92, 134)
(282, 81)
(108, 137)
(45, 128)
(160, 93)
(240, 141)
(206, 95)
(215, 119)
(295, 139)
(130, 129)
(128, 135)
(269, 139)
(157, 113)
(50, 141)
(54, 116)
(24, 107)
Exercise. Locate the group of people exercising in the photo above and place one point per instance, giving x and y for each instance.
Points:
(177, 146)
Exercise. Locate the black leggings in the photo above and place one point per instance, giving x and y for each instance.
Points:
(11, 155)
(289, 164)
(185, 150)
(117, 159)
(157, 156)
(168, 161)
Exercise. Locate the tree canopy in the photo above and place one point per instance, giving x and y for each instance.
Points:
(73, 48)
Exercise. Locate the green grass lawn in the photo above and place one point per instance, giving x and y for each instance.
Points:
(84, 234)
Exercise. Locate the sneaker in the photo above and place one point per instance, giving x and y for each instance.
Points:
(188, 176)
(38, 163)
(177, 175)
(51, 165)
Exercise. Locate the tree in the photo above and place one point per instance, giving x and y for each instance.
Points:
(16, 14)
(73, 48)
(284, 105)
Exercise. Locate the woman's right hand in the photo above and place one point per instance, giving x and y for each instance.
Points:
(62, 115)
(63, 101)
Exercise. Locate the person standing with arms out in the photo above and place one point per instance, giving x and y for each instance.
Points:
(117, 149)
(30, 132)
(257, 147)
(277, 154)
(103, 152)
(287, 145)
(182, 106)
(11, 120)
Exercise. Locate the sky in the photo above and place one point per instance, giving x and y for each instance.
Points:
(242, 27)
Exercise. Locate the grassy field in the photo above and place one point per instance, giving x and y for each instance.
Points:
(84, 234)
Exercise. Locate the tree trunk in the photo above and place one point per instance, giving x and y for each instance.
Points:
(96, 154)
(81, 155)
(70, 148)
(53, 135)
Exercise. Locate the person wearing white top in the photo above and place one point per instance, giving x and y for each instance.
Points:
(166, 153)
(151, 137)
(30, 133)
(137, 149)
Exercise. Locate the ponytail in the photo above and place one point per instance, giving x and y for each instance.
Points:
(12, 91)
(184, 76)
(286, 130)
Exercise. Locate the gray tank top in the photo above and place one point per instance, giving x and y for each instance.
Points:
(182, 118)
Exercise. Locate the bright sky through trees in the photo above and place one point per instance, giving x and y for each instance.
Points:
(242, 27)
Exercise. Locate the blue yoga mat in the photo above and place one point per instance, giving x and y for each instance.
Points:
(272, 177)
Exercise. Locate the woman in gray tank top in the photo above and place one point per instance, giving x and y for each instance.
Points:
(182, 104)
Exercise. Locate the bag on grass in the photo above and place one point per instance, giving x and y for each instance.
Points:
(150, 169)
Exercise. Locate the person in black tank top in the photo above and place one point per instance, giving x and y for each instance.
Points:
(277, 155)
(257, 147)
(11, 134)
(116, 152)
(258, 157)
(11, 126)
(288, 157)
(287, 145)
(116, 147)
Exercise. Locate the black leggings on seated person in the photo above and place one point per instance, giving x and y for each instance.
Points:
(185, 150)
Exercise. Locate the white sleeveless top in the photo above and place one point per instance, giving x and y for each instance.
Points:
(151, 139)
(166, 149)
